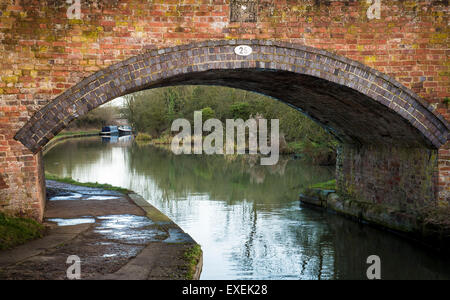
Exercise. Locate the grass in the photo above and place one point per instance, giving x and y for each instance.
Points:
(192, 256)
(162, 140)
(329, 185)
(143, 137)
(70, 133)
(67, 134)
(86, 184)
(16, 231)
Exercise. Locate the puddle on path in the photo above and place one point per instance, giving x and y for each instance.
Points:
(110, 255)
(97, 197)
(84, 197)
(129, 228)
(72, 222)
(66, 196)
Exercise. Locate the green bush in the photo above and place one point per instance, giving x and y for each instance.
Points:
(240, 110)
(208, 113)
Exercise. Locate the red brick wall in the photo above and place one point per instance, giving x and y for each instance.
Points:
(44, 53)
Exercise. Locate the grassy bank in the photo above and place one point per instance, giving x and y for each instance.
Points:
(316, 189)
(162, 140)
(192, 257)
(78, 132)
(431, 215)
(328, 185)
(67, 134)
(69, 180)
(16, 231)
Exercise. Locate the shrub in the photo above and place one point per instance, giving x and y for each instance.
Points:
(143, 137)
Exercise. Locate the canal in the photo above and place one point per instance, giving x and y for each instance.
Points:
(246, 217)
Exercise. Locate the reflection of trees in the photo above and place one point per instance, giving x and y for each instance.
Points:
(249, 244)
(239, 178)
(326, 246)
(222, 178)
(73, 152)
(286, 240)
(400, 259)
(296, 246)
(258, 173)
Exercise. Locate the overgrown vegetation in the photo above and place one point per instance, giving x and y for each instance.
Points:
(101, 116)
(192, 256)
(143, 137)
(67, 134)
(69, 180)
(152, 112)
(74, 133)
(15, 231)
(437, 216)
(328, 185)
(315, 189)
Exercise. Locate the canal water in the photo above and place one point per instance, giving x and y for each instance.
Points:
(246, 217)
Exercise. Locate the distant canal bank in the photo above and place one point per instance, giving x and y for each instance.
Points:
(68, 135)
(114, 234)
(246, 217)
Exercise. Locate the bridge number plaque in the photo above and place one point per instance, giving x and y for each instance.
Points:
(243, 50)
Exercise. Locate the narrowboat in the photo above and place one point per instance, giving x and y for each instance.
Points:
(110, 130)
(125, 130)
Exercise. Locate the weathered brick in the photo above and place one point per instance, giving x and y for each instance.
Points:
(318, 44)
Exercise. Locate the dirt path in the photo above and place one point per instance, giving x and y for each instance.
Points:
(116, 236)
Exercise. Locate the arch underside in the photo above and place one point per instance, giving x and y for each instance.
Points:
(352, 117)
(357, 104)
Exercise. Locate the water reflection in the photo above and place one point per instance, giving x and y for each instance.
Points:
(117, 139)
(246, 216)
(71, 222)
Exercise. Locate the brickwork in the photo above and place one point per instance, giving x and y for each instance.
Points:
(403, 179)
(215, 62)
(371, 81)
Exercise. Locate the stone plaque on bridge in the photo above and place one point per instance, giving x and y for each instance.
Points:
(244, 10)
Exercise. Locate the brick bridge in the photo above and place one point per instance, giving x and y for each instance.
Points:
(375, 76)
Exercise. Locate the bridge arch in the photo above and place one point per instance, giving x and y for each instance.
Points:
(360, 105)
(391, 137)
